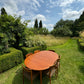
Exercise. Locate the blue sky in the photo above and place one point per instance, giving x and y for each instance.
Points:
(49, 11)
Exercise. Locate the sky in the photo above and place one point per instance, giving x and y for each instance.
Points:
(49, 11)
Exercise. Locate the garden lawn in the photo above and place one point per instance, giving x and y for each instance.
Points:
(71, 67)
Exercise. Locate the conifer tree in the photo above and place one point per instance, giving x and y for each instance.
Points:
(36, 24)
(3, 11)
(40, 24)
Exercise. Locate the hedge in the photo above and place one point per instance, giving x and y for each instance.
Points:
(81, 44)
(11, 59)
(26, 50)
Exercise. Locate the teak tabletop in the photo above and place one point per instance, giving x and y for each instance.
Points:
(41, 60)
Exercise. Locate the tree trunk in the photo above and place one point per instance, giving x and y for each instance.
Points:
(16, 45)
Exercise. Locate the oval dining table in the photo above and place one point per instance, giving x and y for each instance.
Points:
(41, 61)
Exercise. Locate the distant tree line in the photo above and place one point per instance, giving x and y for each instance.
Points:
(38, 28)
(69, 27)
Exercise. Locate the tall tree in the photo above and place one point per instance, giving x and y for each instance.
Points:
(36, 24)
(61, 23)
(40, 24)
(62, 28)
(13, 28)
(3, 11)
(78, 25)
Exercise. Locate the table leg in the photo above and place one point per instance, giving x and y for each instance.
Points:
(50, 74)
(40, 77)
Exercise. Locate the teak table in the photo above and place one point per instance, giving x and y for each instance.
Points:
(41, 61)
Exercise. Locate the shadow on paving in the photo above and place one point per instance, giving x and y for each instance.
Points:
(18, 79)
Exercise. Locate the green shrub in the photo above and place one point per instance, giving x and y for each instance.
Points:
(26, 50)
(11, 59)
(33, 42)
(3, 43)
(62, 31)
(81, 43)
(82, 46)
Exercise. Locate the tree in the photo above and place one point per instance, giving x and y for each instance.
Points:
(13, 28)
(62, 28)
(18, 31)
(62, 31)
(3, 43)
(62, 23)
(36, 24)
(43, 31)
(40, 24)
(78, 25)
(3, 11)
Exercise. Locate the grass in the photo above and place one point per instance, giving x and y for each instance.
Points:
(51, 40)
(71, 69)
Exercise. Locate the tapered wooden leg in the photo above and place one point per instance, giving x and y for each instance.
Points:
(56, 73)
(31, 78)
(40, 77)
(23, 76)
(49, 75)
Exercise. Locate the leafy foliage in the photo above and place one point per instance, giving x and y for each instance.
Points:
(63, 23)
(3, 44)
(81, 40)
(78, 25)
(41, 31)
(62, 28)
(32, 42)
(13, 28)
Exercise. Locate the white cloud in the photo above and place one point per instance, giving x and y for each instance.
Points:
(13, 6)
(36, 2)
(10, 6)
(72, 14)
(22, 20)
(48, 26)
(40, 17)
(31, 24)
(42, 1)
(53, 3)
(48, 11)
(21, 13)
(81, 0)
(43, 18)
(62, 3)
(66, 2)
